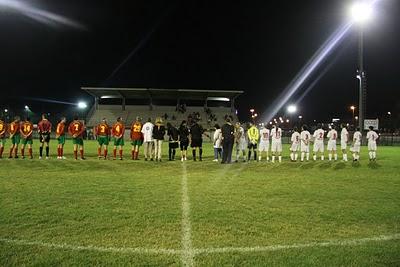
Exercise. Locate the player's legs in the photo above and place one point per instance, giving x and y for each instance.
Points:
(81, 150)
(1, 147)
(76, 151)
(279, 151)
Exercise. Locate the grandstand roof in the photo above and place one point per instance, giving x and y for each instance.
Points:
(145, 93)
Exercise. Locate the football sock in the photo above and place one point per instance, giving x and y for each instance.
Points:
(99, 151)
(280, 158)
(370, 155)
(61, 151)
(105, 153)
(330, 156)
(11, 151)
(16, 152)
(81, 153)
(1, 151)
(273, 158)
(200, 153)
(170, 153)
(345, 157)
(47, 151)
(291, 156)
(58, 152)
(374, 155)
(41, 151)
(237, 155)
(249, 155)
(335, 156)
(315, 157)
(76, 154)
(23, 152)
(133, 154)
(30, 152)
(308, 156)
(173, 153)
(267, 158)
(295, 156)
(194, 154)
(120, 153)
(115, 153)
(322, 157)
(259, 158)
(354, 155)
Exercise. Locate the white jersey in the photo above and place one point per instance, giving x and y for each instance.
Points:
(319, 136)
(357, 138)
(305, 137)
(147, 131)
(264, 135)
(372, 136)
(276, 135)
(295, 138)
(332, 135)
(241, 142)
(344, 135)
(217, 138)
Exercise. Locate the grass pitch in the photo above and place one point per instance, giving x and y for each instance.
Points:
(98, 212)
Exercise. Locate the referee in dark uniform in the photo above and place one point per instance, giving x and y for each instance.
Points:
(228, 139)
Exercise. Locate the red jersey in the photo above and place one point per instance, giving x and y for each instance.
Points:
(60, 131)
(3, 128)
(136, 131)
(118, 130)
(44, 126)
(76, 129)
(14, 128)
(26, 129)
(103, 129)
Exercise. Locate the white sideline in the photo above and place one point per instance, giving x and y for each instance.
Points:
(92, 248)
(187, 251)
(193, 252)
(332, 243)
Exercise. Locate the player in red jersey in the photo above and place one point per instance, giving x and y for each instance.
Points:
(136, 137)
(3, 131)
(60, 136)
(76, 129)
(44, 129)
(15, 136)
(118, 131)
(103, 137)
(26, 131)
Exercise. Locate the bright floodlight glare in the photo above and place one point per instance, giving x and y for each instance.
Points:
(361, 12)
(82, 105)
(292, 109)
(26, 108)
(389, 113)
(6, 110)
(352, 107)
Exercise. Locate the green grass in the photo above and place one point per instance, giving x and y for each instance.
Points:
(126, 204)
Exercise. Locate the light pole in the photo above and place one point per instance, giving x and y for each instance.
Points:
(361, 13)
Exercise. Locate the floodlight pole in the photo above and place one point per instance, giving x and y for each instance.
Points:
(362, 80)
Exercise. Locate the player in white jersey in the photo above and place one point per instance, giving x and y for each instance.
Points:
(294, 148)
(264, 142)
(355, 148)
(276, 143)
(332, 137)
(240, 141)
(305, 138)
(344, 139)
(372, 136)
(318, 142)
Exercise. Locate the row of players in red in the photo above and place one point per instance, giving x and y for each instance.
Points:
(22, 132)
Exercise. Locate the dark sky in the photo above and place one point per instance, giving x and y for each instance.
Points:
(255, 46)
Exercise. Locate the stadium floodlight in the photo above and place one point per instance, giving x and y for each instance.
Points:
(26, 107)
(6, 110)
(287, 121)
(389, 113)
(300, 117)
(252, 110)
(292, 109)
(361, 12)
(82, 105)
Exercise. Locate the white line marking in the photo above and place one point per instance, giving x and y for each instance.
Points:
(92, 248)
(187, 250)
(332, 243)
(155, 251)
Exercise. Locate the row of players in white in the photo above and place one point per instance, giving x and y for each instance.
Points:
(301, 141)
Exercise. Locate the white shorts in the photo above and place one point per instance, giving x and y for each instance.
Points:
(305, 148)
(332, 145)
(263, 147)
(318, 147)
(242, 145)
(371, 146)
(343, 145)
(276, 147)
(356, 148)
(295, 147)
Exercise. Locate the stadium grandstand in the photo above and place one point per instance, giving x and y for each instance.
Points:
(172, 105)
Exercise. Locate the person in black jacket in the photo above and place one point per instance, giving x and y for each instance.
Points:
(196, 136)
(183, 139)
(158, 135)
(173, 134)
(228, 139)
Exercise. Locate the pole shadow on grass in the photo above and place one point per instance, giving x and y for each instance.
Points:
(308, 165)
(325, 165)
(374, 165)
(339, 166)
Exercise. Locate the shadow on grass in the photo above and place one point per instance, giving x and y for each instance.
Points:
(325, 165)
(374, 165)
(307, 166)
(340, 166)
(356, 164)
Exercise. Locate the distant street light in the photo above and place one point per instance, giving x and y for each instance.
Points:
(300, 117)
(6, 110)
(353, 108)
(389, 113)
(26, 108)
(82, 105)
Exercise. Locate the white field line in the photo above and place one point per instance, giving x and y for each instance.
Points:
(92, 248)
(332, 243)
(187, 250)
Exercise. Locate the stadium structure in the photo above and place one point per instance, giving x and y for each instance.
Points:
(172, 105)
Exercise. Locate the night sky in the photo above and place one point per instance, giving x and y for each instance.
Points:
(255, 46)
